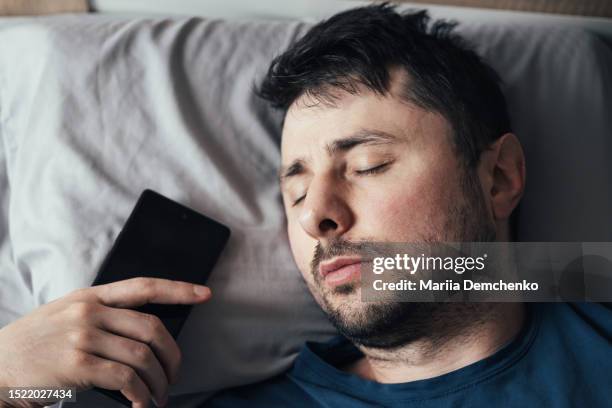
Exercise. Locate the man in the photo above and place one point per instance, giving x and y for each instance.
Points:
(396, 132)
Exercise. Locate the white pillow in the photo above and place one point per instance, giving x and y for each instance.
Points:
(99, 109)
(558, 85)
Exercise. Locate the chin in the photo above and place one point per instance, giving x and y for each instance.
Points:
(344, 300)
(384, 324)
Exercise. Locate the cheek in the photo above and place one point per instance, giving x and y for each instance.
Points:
(401, 217)
(410, 210)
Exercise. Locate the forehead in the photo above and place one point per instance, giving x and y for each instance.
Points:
(311, 125)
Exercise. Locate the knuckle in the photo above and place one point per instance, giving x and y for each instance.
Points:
(144, 283)
(141, 352)
(127, 376)
(80, 339)
(79, 293)
(81, 310)
(80, 359)
(154, 325)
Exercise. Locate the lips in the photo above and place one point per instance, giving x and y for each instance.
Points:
(329, 267)
(341, 270)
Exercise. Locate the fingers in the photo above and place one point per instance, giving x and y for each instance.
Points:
(112, 375)
(130, 351)
(123, 350)
(147, 329)
(139, 291)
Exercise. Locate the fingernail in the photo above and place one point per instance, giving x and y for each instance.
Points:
(201, 291)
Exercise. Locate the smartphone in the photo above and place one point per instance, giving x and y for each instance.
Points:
(163, 239)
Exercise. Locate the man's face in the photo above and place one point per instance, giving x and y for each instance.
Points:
(371, 169)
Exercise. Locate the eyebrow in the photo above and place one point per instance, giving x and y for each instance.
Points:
(361, 137)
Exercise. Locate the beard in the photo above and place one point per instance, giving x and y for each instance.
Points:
(392, 324)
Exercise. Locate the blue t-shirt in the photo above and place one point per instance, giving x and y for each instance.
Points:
(561, 358)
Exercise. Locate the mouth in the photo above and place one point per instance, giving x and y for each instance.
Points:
(340, 271)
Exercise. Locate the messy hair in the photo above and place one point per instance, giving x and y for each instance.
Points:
(360, 47)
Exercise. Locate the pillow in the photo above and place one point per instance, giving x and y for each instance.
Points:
(15, 297)
(101, 107)
(559, 92)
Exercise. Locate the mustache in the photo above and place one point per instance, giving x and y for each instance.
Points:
(341, 246)
(365, 248)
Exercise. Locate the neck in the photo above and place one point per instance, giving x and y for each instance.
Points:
(448, 349)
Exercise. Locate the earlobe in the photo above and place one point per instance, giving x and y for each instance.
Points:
(507, 175)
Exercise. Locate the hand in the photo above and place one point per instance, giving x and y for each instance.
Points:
(87, 338)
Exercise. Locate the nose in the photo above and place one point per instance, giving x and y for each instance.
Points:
(325, 213)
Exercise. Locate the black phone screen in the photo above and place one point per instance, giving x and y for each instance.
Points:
(164, 239)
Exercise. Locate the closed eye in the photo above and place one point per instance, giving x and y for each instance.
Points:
(372, 170)
(296, 202)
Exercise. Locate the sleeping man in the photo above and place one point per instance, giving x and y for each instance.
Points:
(394, 131)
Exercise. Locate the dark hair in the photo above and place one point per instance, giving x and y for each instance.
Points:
(360, 46)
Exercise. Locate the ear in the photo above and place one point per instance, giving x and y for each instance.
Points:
(502, 174)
